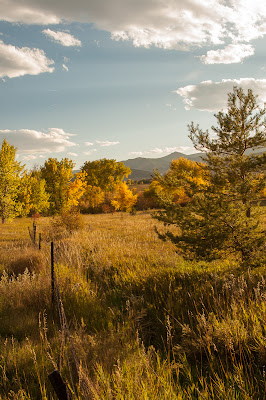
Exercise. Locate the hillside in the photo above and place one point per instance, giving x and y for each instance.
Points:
(139, 174)
(142, 168)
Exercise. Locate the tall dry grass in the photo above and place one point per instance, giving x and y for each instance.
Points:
(144, 323)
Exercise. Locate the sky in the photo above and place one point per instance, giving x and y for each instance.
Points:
(91, 79)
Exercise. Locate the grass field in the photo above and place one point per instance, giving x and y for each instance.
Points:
(142, 322)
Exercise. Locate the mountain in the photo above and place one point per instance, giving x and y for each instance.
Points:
(139, 174)
(142, 168)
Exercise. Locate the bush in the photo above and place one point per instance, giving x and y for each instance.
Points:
(31, 259)
(67, 223)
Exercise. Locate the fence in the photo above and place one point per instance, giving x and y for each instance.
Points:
(59, 386)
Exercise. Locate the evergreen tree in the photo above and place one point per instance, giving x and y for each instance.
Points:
(223, 216)
(10, 177)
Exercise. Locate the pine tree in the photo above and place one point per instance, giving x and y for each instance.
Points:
(10, 177)
(223, 216)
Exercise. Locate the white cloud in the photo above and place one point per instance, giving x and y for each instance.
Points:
(30, 141)
(180, 149)
(29, 158)
(173, 24)
(90, 152)
(212, 96)
(168, 150)
(106, 143)
(156, 151)
(170, 106)
(136, 153)
(165, 150)
(16, 61)
(88, 144)
(27, 13)
(72, 154)
(65, 67)
(233, 53)
(64, 38)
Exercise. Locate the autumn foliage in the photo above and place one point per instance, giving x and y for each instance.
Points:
(53, 189)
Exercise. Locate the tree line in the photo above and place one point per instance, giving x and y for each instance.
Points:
(53, 188)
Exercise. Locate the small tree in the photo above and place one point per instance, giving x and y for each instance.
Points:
(124, 199)
(75, 190)
(105, 173)
(92, 198)
(10, 177)
(32, 194)
(219, 217)
(180, 181)
(58, 176)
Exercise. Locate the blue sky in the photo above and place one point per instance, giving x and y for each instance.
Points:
(120, 79)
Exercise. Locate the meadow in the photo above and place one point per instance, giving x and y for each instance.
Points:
(142, 323)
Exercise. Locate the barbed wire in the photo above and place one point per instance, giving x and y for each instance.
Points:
(65, 332)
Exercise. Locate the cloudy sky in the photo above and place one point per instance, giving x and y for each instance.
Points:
(88, 79)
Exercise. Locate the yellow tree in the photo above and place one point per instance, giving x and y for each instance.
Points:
(93, 197)
(75, 190)
(180, 181)
(10, 177)
(58, 176)
(32, 194)
(123, 198)
(105, 173)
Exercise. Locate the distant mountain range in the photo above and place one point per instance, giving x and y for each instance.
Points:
(142, 168)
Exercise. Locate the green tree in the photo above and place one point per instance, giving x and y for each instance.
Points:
(10, 177)
(105, 173)
(58, 176)
(219, 217)
(32, 194)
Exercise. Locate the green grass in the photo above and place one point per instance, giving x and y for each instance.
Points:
(144, 323)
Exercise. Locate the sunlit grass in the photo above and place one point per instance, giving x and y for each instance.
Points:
(145, 324)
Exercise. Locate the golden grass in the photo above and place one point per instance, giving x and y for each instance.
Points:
(145, 324)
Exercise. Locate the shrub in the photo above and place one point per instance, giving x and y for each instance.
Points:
(66, 223)
(31, 259)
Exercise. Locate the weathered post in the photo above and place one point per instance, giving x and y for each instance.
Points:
(58, 385)
(40, 241)
(34, 232)
(52, 272)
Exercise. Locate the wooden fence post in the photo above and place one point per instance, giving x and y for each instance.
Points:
(52, 272)
(34, 232)
(58, 385)
(40, 241)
